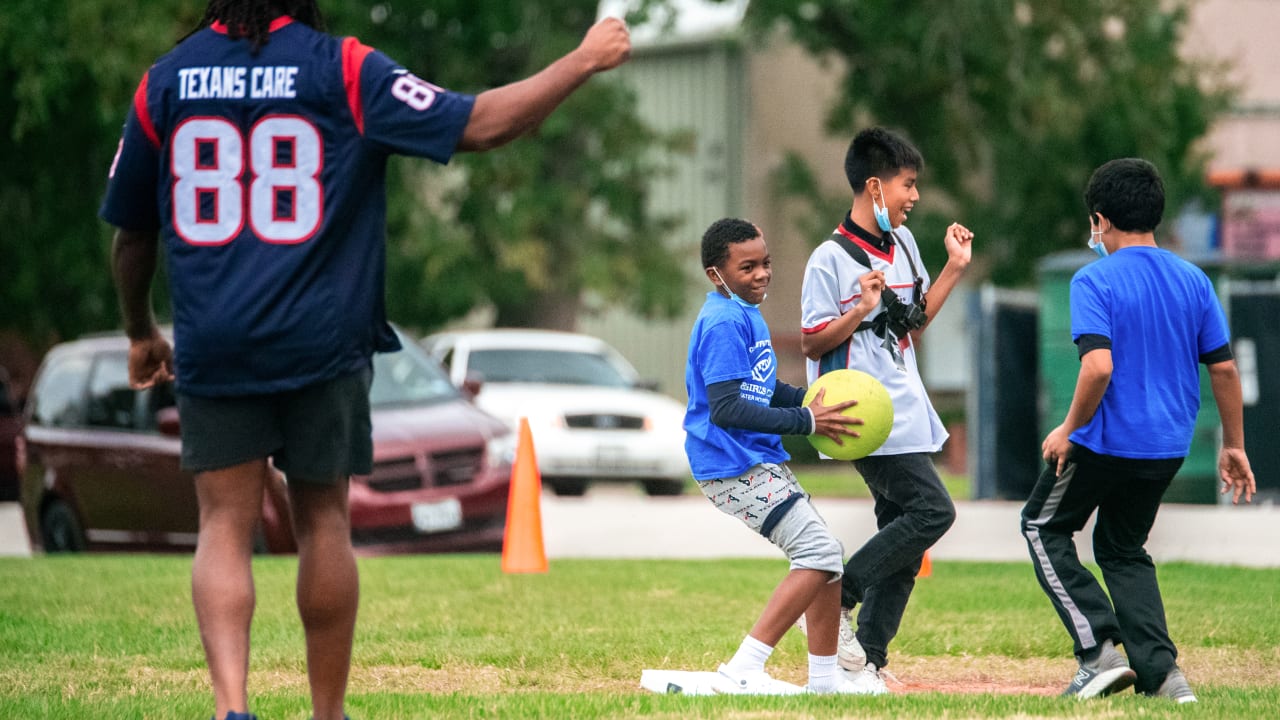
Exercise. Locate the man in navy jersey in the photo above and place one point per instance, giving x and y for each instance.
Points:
(1143, 320)
(256, 150)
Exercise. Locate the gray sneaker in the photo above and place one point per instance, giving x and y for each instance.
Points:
(1175, 688)
(1107, 674)
(852, 657)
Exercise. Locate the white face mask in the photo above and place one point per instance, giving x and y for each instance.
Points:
(734, 296)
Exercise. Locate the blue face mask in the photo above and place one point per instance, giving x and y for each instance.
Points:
(1095, 243)
(881, 213)
(733, 295)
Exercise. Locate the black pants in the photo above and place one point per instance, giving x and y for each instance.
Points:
(913, 510)
(1126, 493)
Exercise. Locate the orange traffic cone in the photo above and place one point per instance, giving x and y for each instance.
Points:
(522, 550)
(926, 566)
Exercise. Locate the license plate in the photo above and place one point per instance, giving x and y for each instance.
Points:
(612, 458)
(437, 516)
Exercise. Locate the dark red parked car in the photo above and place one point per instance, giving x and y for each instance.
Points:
(101, 462)
(10, 428)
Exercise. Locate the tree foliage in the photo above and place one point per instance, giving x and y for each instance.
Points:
(529, 227)
(1013, 104)
(67, 70)
(525, 228)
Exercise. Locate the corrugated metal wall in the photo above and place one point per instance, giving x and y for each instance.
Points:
(697, 88)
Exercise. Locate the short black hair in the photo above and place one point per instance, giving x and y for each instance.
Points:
(722, 233)
(1129, 193)
(877, 152)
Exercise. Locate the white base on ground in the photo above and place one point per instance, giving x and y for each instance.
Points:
(680, 682)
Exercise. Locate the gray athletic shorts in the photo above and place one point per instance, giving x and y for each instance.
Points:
(318, 434)
(769, 500)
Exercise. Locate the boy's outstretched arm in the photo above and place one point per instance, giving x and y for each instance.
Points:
(505, 113)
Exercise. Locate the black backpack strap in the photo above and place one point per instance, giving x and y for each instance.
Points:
(917, 287)
(880, 325)
(854, 249)
(859, 256)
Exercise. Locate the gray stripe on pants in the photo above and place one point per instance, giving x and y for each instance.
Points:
(1051, 503)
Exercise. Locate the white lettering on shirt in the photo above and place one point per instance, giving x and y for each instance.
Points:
(237, 83)
(273, 81)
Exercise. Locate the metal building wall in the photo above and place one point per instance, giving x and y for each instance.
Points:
(696, 87)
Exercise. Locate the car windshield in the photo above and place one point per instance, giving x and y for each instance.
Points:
(559, 367)
(408, 377)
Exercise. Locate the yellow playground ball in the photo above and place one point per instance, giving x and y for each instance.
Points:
(874, 407)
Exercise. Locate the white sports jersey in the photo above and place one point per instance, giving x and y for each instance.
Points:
(830, 290)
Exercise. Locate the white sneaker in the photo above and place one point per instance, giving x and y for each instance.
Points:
(852, 656)
(866, 681)
(753, 683)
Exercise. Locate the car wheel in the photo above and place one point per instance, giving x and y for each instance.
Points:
(60, 529)
(663, 487)
(568, 487)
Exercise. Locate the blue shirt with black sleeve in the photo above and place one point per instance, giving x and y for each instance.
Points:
(1160, 317)
(728, 430)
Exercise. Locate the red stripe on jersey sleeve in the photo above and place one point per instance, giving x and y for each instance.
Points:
(144, 115)
(814, 329)
(353, 55)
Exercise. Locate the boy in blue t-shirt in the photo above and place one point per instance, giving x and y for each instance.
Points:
(737, 410)
(1143, 320)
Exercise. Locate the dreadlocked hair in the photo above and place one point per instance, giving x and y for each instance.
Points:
(251, 19)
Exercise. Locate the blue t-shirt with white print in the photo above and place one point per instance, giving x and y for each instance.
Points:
(729, 341)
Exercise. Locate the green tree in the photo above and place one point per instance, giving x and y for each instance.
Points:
(1013, 103)
(67, 71)
(526, 228)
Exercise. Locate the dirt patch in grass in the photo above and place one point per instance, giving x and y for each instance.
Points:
(996, 675)
(909, 674)
(1043, 676)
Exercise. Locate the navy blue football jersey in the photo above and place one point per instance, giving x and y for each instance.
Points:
(264, 175)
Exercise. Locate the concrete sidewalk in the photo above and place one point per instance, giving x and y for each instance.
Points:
(626, 526)
(622, 524)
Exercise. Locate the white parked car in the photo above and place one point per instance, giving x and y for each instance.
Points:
(590, 416)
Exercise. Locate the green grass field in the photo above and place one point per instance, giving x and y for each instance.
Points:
(114, 636)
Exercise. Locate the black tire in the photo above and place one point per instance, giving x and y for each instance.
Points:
(568, 487)
(60, 530)
(656, 488)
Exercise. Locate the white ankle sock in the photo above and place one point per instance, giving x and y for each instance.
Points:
(823, 676)
(751, 656)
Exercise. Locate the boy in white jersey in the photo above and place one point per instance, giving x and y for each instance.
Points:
(866, 298)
